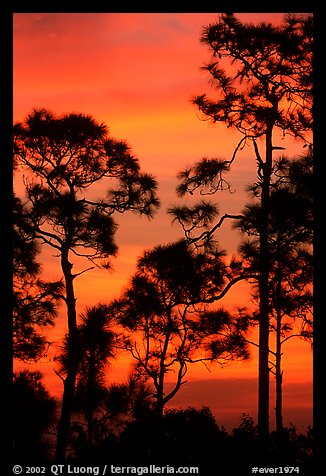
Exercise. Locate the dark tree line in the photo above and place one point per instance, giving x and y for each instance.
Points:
(168, 316)
(187, 437)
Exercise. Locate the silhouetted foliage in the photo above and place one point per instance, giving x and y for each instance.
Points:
(96, 347)
(128, 401)
(118, 406)
(34, 300)
(262, 79)
(270, 71)
(168, 325)
(64, 157)
(191, 437)
(34, 413)
(291, 450)
(186, 437)
(290, 254)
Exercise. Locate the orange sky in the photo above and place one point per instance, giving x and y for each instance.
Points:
(137, 73)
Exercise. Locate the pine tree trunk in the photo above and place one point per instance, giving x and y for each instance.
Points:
(279, 394)
(72, 359)
(264, 270)
(278, 361)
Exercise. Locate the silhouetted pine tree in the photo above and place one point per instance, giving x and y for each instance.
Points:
(65, 156)
(262, 77)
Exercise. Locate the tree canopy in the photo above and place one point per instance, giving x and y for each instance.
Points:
(168, 323)
(62, 158)
(262, 79)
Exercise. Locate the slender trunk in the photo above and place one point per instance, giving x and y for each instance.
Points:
(72, 361)
(278, 354)
(278, 377)
(160, 400)
(263, 367)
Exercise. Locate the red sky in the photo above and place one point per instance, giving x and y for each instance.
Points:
(137, 73)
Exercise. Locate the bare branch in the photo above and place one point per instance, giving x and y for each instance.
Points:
(81, 272)
(210, 232)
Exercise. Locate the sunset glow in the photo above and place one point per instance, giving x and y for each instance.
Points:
(137, 73)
